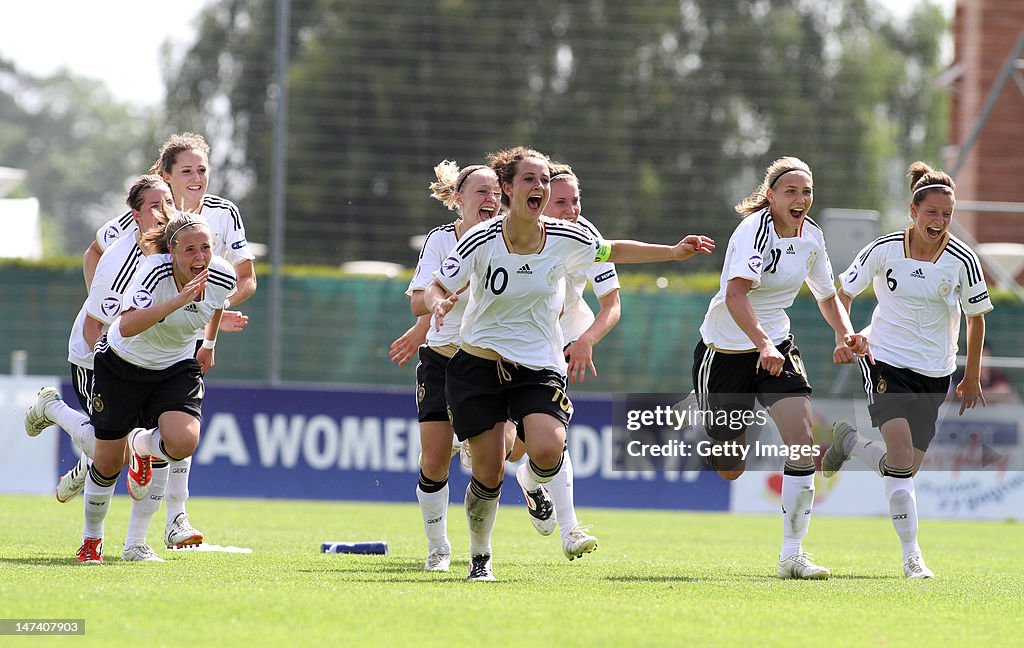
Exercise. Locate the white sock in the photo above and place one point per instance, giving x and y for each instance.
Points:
(868, 452)
(480, 514)
(903, 508)
(75, 423)
(177, 487)
(560, 490)
(526, 478)
(434, 508)
(147, 444)
(97, 501)
(797, 502)
(141, 515)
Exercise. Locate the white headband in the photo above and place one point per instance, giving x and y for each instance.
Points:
(933, 186)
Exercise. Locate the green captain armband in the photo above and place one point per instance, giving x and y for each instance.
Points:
(604, 252)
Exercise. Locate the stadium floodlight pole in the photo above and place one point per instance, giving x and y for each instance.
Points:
(278, 187)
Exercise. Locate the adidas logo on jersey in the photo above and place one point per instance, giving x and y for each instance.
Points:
(191, 308)
(919, 273)
(790, 250)
(525, 269)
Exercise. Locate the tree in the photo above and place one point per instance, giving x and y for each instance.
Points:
(80, 146)
(669, 112)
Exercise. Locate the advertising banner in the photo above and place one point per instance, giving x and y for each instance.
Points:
(352, 444)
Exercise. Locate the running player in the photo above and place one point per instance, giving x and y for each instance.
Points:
(923, 277)
(184, 163)
(149, 202)
(146, 368)
(511, 363)
(473, 194)
(746, 348)
(581, 330)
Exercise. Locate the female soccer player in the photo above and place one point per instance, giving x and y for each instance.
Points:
(581, 330)
(923, 277)
(746, 349)
(146, 367)
(184, 163)
(473, 194)
(511, 364)
(149, 202)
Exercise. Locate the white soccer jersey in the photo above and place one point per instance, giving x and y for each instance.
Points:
(778, 267)
(515, 299)
(916, 324)
(113, 276)
(172, 339)
(220, 214)
(577, 315)
(438, 244)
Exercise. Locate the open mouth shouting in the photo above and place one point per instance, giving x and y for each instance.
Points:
(934, 232)
(535, 201)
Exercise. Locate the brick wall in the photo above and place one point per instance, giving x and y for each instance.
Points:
(985, 32)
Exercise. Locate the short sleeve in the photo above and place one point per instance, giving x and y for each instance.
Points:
(434, 251)
(137, 295)
(603, 278)
(862, 270)
(222, 279)
(112, 230)
(820, 279)
(103, 303)
(455, 270)
(746, 260)
(974, 297)
(236, 247)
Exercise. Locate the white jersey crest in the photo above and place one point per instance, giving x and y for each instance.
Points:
(916, 324)
(778, 267)
(515, 299)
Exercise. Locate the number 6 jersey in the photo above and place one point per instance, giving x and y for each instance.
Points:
(916, 324)
(515, 299)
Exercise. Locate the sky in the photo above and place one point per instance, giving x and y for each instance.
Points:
(115, 41)
(118, 41)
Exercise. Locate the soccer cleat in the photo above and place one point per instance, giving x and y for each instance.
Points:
(73, 481)
(35, 418)
(914, 567)
(836, 455)
(538, 503)
(799, 567)
(91, 551)
(140, 553)
(180, 533)
(480, 569)
(140, 469)
(578, 542)
(439, 560)
(465, 456)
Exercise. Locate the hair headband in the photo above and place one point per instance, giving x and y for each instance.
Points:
(776, 181)
(174, 237)
(468, 171)
(932, 186)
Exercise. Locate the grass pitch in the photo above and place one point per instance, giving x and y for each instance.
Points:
(658, 578)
